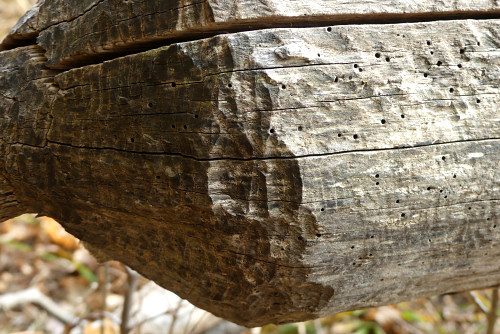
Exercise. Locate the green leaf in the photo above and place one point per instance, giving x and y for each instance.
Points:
(410, 317)
(288, 329)
(19, 245)
(358, 313)
(362, 330)
(49, 256)
(85, 272)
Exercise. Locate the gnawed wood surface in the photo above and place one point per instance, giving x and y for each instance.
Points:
(79, 32)
(274, 175)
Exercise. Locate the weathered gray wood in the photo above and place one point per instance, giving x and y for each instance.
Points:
(275, 175)
(75, 32)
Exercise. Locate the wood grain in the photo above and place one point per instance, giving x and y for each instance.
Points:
(274, 175)
(82, 32)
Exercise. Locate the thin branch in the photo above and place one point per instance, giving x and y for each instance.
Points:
(132, 280)
(317, 326)
(492, 315)
(105, 287)
(34, 296)
(301, 327)
(142, 322)
(174, 317)
(478, 302)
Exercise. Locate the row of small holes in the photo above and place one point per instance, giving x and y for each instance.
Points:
(398, 201)
(377, 55)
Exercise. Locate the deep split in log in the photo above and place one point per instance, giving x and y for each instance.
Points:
(269, 175)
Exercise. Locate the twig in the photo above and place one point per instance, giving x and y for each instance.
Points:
(174, 317)
(301, 327)
(492, 315)
(142, 322)
(317, 326)
(478, 302)
(132, 280)
(34, 296)
(105, 284)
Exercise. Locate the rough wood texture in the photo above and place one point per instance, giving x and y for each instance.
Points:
(9, 206)
(26, 91)
(267, 176)
(80, 32)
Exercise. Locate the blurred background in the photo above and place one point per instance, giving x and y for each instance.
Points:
(49, 283)
(10, 12)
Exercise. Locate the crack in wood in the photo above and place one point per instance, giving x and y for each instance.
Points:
(261, 158)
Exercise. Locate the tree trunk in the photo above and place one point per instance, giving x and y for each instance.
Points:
(270, 175)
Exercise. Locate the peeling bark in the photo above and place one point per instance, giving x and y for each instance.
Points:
(274, 175)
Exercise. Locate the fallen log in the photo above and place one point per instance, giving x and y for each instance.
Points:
(270, 175)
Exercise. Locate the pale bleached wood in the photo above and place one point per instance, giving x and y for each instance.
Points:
(81, 32)
(215, 167)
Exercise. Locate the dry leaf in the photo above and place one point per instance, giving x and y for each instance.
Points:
(58, 234)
